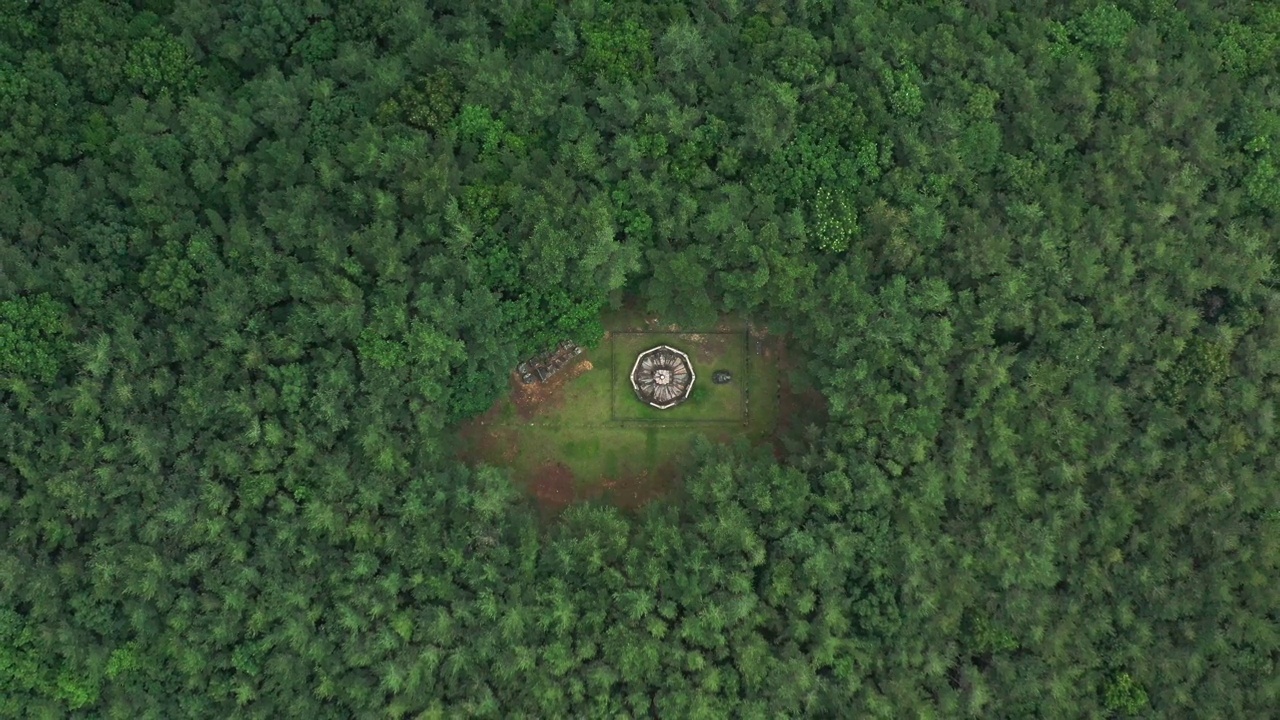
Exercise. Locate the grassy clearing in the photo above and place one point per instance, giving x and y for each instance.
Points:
(707, 402)
(589, 421)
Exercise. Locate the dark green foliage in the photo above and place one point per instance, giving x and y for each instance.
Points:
(258, 259)
(319, 43)
(429, 104)
(531, 23)
(1203, 363)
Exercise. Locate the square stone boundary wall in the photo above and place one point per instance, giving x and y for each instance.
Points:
(704, 375)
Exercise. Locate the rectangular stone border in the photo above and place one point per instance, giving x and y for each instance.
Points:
(742, 384)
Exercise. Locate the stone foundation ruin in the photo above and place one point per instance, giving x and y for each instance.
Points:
(540, 368)
(662, 377)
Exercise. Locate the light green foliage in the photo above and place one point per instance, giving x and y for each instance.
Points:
(1252, 46)
(123, 660)
(159, 64)
(391, 343)
(903, 88)
(20, 670)
(990, 638)
(836, 221)
(381, 351)
(432, 353)
(1060, 42)
(33, 337)
(173, 275)
(813, 161)
(1124, 696)
(1105, 26)
(478, 125)
(27, 681)
(616, 49)
(1262, 181)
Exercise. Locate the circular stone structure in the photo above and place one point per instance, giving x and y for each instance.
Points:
(662, 377)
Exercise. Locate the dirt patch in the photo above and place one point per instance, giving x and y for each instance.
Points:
(492, 416)
(486, 442)
(635, 490)
(538, 397)
(714, 344)
(553, 486)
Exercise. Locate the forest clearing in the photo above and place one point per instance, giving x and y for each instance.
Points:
(893, 359)
(583, 434)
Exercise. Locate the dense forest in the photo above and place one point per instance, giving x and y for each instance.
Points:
(259, 258)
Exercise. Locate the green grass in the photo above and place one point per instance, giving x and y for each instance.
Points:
(601, 431)
(707, 401)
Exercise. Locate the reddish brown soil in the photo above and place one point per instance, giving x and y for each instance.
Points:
(634, 491)
(492, 416)
(538, 397)
(553, 487)
(480, 441)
